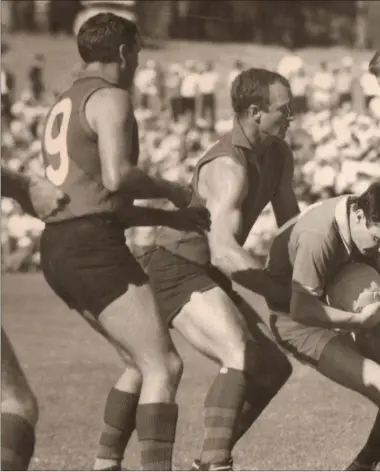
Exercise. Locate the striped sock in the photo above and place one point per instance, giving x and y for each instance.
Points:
(370, 454)
(17, 442)
(119, 424)
(222, 407)
(156, 427)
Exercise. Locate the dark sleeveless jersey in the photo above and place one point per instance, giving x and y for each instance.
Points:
(71, 155)
(264, 174)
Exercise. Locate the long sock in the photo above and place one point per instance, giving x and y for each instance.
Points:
(222, 407)
(156, 427)
(119, 424)
(269, 369)
(17, 442)
(370, 454)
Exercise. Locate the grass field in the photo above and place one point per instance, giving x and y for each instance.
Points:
(312, 424)
(61, 56)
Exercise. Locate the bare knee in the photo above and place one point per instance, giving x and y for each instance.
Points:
(168, 371)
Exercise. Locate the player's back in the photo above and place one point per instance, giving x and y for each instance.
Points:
(318, 225)
(71, 154)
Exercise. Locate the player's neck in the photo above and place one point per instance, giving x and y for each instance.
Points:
(109, 72)
(252, 135)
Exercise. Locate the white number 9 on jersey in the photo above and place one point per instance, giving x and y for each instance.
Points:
(56, 144)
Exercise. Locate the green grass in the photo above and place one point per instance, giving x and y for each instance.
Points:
(61, 56)
(312, 423)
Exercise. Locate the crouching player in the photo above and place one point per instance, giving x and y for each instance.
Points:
(306, 253)
(19, 408)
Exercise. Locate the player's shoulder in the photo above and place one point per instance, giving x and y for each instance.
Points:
(317, 224)
(112, 104)
(112, 96)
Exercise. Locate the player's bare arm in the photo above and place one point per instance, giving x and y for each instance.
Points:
(223, 183)
(184, 219)
(37, 196)
(284, 202)
(110, 113)
(309, 278)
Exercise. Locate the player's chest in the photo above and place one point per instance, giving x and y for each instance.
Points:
(263, 180)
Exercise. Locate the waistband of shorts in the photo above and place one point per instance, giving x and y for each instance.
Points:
(108, 218)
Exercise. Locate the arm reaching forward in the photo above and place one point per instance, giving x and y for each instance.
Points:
(225, 187)
(110, 113)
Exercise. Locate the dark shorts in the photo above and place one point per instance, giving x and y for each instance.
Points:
(174, 279)
(87, 262)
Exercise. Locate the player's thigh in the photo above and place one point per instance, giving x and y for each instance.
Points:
(134, 323)
(16, 394)
(213, 325)
(341, 361)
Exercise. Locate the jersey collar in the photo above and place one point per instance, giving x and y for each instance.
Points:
(342, 223)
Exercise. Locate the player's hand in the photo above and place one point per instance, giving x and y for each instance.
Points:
(45, 198)
(180, 195)
(370, 315)
(192, 219)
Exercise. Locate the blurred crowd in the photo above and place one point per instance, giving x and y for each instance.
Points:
(335, 136)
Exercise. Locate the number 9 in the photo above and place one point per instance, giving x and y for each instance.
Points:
(58, 145)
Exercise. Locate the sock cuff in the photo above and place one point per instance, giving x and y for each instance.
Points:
(227, 389)
(118, 409)
(17, 435)
(157, 421)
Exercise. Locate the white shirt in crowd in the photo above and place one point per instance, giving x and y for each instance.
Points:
(146, 81)
(208, 82)
(190, 85)
(289, 65)
(299, 85)
(344, 82)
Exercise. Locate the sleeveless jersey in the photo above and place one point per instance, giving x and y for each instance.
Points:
(264, 176)
(71, 155)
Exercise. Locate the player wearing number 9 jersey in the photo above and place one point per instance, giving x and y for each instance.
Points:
(90, 148)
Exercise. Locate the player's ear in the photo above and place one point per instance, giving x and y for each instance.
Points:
(254, 112)
(123, 53)
(359, 216)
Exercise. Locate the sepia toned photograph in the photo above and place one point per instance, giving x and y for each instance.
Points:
(190, 235)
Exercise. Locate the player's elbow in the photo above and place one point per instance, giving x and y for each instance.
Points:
(219, 256)
(111, 181)
(114, 178)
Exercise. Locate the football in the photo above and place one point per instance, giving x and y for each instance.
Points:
(354, 287)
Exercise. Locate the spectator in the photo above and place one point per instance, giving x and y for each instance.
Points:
(300, 84)
(236, 70)
(290, 64)
(344, 82)
(190, 91)
(36, 79)
(208, 81)
(173, 91)
(323, 87)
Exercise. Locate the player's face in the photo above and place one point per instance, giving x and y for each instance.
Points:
(366, 237)
(129, 63)
(275, 120)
